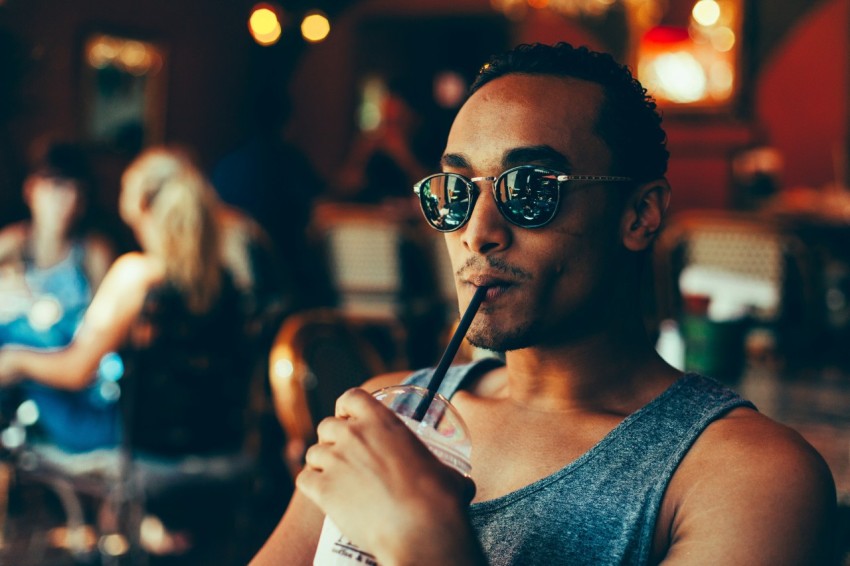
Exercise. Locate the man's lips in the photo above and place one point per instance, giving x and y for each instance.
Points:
(495, 286)
(488, 281)
(495, 292)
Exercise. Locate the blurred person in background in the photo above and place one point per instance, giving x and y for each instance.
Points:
(174, 314)
(382, 163)
(272, 182)
(52, 254)
(177, 285)
(50, 266)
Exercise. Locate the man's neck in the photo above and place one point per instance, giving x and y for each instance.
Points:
(613, 371)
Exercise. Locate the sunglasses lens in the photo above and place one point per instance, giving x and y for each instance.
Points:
(445, 201)
(528, 196)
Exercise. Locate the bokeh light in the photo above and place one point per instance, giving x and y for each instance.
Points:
(315, 27)
(449, 89)
(723, 39)
(135, 57)
(706, 12)
(264, 24)
(283, 369)
(676, 76)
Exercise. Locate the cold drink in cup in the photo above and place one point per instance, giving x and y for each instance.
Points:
(443, 432)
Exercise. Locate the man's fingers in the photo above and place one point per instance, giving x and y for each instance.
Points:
(319, 456)
(319, 462)
(355, 403)
(358, 404)
(330, 429)
(310, 482)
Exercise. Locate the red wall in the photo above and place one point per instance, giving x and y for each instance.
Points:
(802, 95)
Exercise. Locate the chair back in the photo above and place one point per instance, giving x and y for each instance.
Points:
(751, 248)
(749, 265)
(363, 248)
(381, 267)
(316, 356)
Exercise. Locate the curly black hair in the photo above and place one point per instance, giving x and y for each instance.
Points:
(628, 119)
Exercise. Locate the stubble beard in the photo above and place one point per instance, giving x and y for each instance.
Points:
(482, 335)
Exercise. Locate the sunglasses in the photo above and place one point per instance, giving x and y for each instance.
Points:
(527, 196)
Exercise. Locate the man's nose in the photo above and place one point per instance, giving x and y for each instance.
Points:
(486, 231)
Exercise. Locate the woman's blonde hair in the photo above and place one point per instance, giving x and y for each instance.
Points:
(166, 184)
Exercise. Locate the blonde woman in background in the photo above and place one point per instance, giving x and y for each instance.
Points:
(170, 309)
(174, 315)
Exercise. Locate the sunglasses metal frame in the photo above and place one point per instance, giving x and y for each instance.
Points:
(473, 191)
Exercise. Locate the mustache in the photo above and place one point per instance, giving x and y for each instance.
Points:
(492, 264)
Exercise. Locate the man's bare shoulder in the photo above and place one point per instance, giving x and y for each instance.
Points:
(753, 491)
(747, 436)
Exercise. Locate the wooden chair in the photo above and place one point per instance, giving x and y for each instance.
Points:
(363, 250)
(315, 357)
(382, 268)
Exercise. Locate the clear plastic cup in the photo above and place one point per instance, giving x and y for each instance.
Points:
(441, 429)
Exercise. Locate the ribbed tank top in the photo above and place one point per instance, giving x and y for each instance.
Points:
(602, 507)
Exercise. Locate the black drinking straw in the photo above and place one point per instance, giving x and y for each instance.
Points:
(451, 351)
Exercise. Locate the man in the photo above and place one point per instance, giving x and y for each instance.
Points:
(587, 447)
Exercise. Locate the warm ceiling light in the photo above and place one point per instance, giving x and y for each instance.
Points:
(646, 12)
(723, 39)
(315, 27)
(264, 24)
(706, 12)
(678, 76)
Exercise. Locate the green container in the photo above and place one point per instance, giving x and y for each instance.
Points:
(712, 348)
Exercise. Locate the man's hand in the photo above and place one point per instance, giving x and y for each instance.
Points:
(384, 489)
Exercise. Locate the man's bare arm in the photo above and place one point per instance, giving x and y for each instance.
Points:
(750, 491)
(295, 538)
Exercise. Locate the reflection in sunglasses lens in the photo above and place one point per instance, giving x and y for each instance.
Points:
(528, 197)
(445, 200)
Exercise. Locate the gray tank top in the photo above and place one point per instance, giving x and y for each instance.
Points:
(602, 507)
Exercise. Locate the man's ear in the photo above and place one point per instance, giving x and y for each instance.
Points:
(644, 214)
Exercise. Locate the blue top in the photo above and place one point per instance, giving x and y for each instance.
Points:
(602, 507)
(64, 283)
(75, 421)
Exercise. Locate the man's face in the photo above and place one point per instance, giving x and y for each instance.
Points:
(547, 282)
